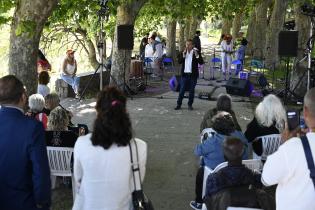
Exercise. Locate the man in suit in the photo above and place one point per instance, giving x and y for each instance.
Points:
(24, 168)
(190, 59)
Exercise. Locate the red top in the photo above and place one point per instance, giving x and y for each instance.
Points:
(44, 64)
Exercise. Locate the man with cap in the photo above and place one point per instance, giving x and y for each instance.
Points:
(69, 70)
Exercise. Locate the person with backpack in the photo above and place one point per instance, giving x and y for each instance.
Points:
(292, 166)
(235, 184)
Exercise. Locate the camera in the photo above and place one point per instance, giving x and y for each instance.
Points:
(293, 117)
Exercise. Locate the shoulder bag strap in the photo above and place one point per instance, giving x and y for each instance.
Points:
(309, 157)
(135, 165)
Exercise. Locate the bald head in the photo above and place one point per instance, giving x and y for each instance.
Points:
(309, 101)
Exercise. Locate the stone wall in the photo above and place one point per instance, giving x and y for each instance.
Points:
(64, 90)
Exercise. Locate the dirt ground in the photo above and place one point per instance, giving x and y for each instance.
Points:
(171, 136)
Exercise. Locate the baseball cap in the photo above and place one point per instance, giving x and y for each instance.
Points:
(70, 51)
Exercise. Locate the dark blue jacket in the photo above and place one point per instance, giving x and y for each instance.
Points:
(24, 169)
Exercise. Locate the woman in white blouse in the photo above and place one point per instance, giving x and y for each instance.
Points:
(226, 53)
(69, 70)
(102, 165)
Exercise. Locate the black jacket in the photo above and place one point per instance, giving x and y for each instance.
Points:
(194, 63)
(197, 43)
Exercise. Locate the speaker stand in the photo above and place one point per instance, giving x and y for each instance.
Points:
(286, 91)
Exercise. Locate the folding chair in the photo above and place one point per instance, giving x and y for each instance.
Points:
(59, 159)
(168, 63)
(216, 65)
(270, 144)
(148, 69)
(256, 65)
(236, 65)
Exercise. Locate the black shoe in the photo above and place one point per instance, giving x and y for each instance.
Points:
(177, 108)
(190, 108)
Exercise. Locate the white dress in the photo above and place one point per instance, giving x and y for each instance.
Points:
(103, 177)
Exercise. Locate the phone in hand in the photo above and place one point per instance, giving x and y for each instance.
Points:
(293, 119)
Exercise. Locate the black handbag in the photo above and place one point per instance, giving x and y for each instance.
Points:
(139, 200)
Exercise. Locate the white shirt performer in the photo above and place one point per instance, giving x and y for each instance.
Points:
(288, 166)
(226, 54)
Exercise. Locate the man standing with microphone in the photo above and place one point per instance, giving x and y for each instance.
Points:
(190, 59)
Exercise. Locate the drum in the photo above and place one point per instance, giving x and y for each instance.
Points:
(136, 69)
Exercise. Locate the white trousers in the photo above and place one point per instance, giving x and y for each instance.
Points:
(226, 62)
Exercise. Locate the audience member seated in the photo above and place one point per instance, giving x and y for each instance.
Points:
(288, 167)
(211, 149)
(57, 133)
(224, 103)
(235, 184)
(102, 166)
(52, 101)
(36, 103)
(43, 80)
(270, 118)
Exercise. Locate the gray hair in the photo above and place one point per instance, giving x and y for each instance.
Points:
(309, 101)
(271, 112)
(58, 119)
(224, 102)
(52, 100)
(36, 102)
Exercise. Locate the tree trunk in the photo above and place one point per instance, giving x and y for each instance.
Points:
(181, 37)
(89, 48)
(299, 75)
(126, 15)
(187, 28)
(250, 34)
(275, 26)
(193, 26)
(26, 29)
(226, 26)
(92, 53)
(171, 39)
(237, 24)
(260, 29)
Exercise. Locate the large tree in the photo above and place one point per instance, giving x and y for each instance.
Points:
(127, 12)
(261, 25)
(275, 26)
(26, 29)
(299, 77)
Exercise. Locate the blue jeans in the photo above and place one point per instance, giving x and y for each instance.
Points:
(74, 81)
(187, 81)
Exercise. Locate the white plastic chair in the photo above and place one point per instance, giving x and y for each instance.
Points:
(270, 144)
(59, 162)
(252, 164)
